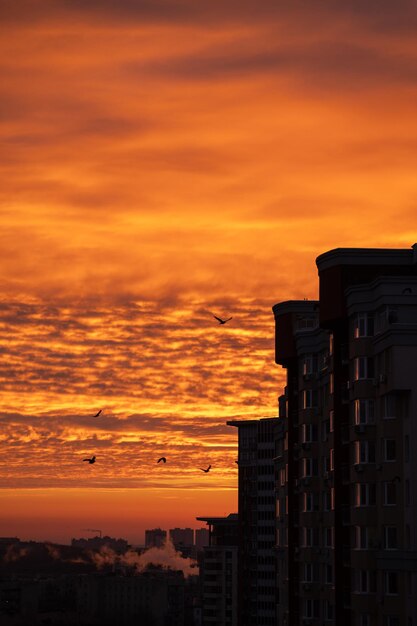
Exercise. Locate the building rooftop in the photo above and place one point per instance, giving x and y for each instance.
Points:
(232, 518)
(367, 256)
(250, 422)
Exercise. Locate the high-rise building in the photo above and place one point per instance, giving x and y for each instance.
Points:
(183, 540)
(257, 576)
(219, 572)
(155, 538)
(346, 506)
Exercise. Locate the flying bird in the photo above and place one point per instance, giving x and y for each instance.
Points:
(205, 470)
(91, 461)
(163, 459)
(98, 413)
(220, 319)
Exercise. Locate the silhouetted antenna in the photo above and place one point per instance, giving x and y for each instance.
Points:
(93, 530)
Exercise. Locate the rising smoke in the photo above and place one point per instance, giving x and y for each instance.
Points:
(166, 557)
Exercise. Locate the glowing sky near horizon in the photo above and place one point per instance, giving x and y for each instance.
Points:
(162, 161)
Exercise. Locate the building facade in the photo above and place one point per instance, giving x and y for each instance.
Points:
(257, 557)
(346, 504)
(219, 572)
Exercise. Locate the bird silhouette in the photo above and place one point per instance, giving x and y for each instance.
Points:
(98, 413)
(91, 461)
(163, 459)
(237, 462)
(205, 470)
(220, 319)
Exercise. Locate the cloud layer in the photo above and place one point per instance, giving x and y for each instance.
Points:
(162, 161)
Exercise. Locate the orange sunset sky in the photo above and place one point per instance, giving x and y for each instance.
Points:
(162, 161)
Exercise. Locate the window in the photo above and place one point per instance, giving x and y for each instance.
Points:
(326, 501)
(328, 537)
(311, 608)
(364, 619)
(331, 421)
(311, 537)
(309, 398)
(332, 498)
(308, 573)
(390, 538)
(328, 610)
(364, 412)
(326, 429)
(365, 494)
(309, 467)
(331, 383)
(391, 583)
(332, 459)
(365, 581)
(361, 538)
(392, 621)
(328, 574)
(308, 502)
(363, 367)
(307, 364)
(363, 325)
(390, 494)
(309, 433)
(364, 452)
(388, 406)
(390, 450)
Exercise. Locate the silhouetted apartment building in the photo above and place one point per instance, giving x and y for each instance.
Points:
(257, 576)
(155, 538)
(183, 540)
(219, 572)
(346, 476)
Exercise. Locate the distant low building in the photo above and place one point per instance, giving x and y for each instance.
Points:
(96, 543)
